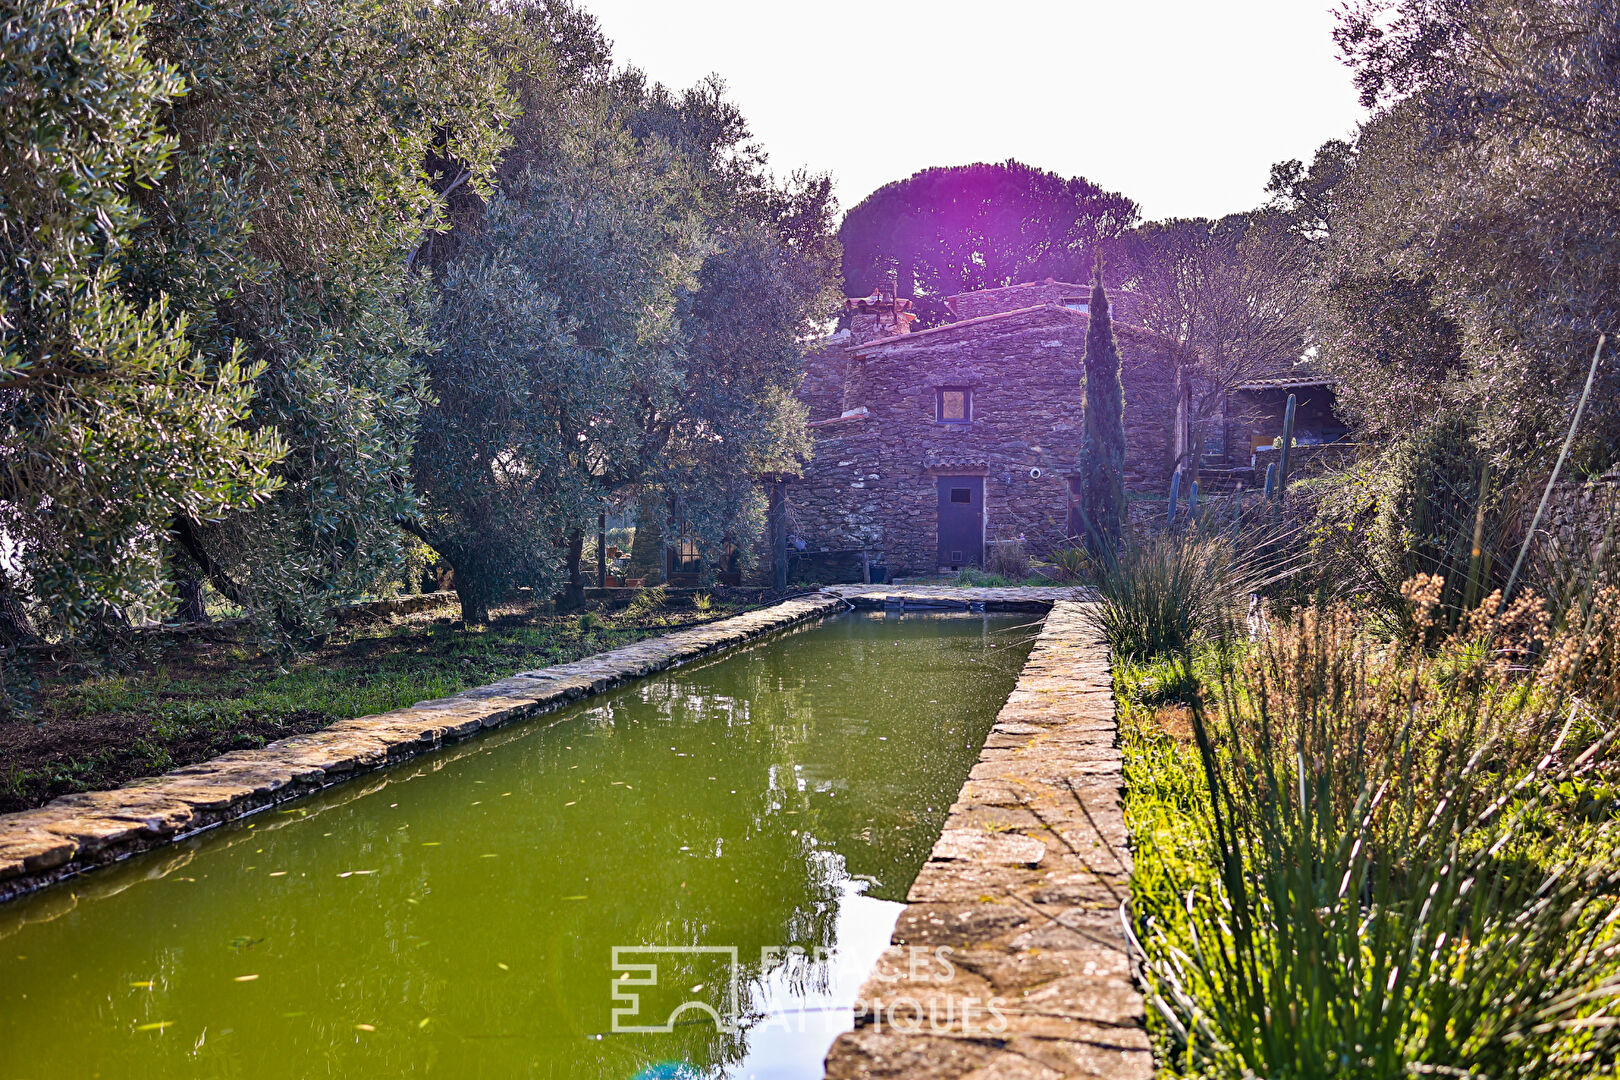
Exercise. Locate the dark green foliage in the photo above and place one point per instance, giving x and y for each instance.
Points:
(1164, 593)
(112, 421)
(1427, 510)
(621, 321)
(559, 339)
(1102, 452)
(1417, 508)
(301, 185)
(1470, 238)
(1167, 593)
(951, 230)
(238, 237)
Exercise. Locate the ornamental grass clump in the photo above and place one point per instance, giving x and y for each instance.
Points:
(1391, 862)
(1169, 592)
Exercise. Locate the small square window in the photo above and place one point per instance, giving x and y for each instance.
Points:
(954, 405)
(962, 495)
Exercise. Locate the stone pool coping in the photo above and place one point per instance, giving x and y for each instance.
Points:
(80, 832)
(1027, 887)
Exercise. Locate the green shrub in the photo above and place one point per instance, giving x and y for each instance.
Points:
(1416, 509)
(647, 603)
(1071, 564)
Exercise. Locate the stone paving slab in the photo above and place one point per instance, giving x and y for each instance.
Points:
(80, 832)
(1025, 889)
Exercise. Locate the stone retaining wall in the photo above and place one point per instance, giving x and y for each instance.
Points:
(80, 832)
(1025, 887)
(393, 606)
(1579, 516)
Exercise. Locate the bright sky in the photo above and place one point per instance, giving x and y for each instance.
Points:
(1182, 105)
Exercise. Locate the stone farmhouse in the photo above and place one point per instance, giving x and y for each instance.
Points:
(931, 444)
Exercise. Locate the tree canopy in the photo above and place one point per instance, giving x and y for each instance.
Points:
(950, 230)
(112, 419)
(1233, 293)
(622, 319)
(287, 289)
(1471, 237)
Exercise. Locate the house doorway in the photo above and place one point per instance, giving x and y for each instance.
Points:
(961, 522)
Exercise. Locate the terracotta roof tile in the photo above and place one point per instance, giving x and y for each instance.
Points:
(1125, 329)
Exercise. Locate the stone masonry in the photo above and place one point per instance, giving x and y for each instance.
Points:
(1579, 517)
(880, 447)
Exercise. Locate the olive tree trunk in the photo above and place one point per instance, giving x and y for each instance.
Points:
(572, 597)
(15, 627)
(190, 608)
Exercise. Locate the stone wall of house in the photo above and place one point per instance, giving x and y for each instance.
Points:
(823, 388)
(872, 484)
(973, 305)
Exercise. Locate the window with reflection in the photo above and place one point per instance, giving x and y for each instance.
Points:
(954, 405)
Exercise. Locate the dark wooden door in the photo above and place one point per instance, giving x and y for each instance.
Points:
(961, 521)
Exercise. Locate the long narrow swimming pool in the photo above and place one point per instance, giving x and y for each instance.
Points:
(688, 877)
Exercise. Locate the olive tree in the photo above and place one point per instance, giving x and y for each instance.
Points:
(621, 320)
(112, 421)
(560, 336)
(302, 180)
(1488, 185)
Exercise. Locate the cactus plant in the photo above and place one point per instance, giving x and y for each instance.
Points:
(1287, 449)
(1175, 496)
(1271, 479)
(1192, 502)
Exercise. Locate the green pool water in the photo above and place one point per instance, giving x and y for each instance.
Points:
(458, 915)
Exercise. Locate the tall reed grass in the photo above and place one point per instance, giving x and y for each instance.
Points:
(1391, 862)
(1168, 592)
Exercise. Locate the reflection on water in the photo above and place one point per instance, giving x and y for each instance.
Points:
(458, 915)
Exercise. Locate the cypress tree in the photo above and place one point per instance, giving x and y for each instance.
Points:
(1102, 453)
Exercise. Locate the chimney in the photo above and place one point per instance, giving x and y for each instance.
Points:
(883, 314)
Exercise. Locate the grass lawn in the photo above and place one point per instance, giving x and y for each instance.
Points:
(188, 700)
